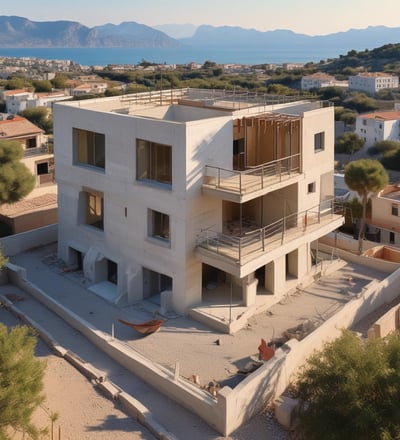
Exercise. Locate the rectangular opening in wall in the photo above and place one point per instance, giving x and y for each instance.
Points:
(158, 224)
(112, 272)
(154, 283)
(319, 141)
(75, 259)
(311, 188)
(31, 143)
(395, 209)
(94, 209)
(89, 148)
(153, 162)
(391, 237)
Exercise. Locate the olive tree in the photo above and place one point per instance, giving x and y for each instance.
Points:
(367, 177)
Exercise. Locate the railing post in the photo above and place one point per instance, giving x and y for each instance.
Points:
(219, 178)
(240, 249)
(262, 177)
(263, 239)
(240, 183)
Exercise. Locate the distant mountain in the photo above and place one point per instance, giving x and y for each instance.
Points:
(177, 30)
(228, 36)
(21, 32)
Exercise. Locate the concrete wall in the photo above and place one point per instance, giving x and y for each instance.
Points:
(386, 324)
(233, 406)
(15, 244)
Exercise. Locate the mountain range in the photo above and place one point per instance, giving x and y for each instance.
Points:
(22, 32)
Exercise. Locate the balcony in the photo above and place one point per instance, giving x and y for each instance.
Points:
(36, 151)
(235, 252)
(241, 186)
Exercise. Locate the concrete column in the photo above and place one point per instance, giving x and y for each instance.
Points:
(249, 289)
(275, 276)
(303, 260)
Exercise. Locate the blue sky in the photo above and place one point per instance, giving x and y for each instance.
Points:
(311, 17)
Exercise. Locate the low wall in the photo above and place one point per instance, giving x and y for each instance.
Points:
(182, 391)
(18, 243)
(235, 406)
(387, 323)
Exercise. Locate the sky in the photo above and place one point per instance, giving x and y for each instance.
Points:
(311, 17)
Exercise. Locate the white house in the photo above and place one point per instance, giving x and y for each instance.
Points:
(182, 195)
(319, 80)
(378, 126)
(372, 82)
(16, 100)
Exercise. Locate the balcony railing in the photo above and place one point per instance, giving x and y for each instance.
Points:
(254, 178)
(267, 238)
(43, 149)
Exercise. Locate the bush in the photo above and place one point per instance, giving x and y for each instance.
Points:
(351, 390)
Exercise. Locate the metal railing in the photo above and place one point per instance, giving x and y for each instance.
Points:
(254, 178)
(268, 237)
(36, 151)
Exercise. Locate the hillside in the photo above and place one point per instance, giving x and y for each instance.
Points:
(385, 58)
(21, 32)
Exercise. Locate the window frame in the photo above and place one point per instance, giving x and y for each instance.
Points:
(319, 141)
(157, 223)
(154, 163)
(93, 147)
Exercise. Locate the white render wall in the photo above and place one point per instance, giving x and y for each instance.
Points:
(377, 130)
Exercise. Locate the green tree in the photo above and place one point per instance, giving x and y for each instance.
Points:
(21, 382)
(367, 177)
(351, 390)
(59, 81)
(16, 181)
(40, 116)
(349, 143)
(42, 86)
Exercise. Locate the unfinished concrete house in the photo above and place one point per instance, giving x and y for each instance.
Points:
(192, 199)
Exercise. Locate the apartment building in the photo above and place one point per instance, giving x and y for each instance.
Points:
(184, 197)
(372, 82)
(378, 126)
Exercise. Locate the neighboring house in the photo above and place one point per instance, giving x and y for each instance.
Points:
(19, 100)
(39, 208)
(372, 82)
(378, 126)
(177, 196)
(319, 80)
(385, 214)
(16, 100)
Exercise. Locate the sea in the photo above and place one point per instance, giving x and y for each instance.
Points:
(180, 55)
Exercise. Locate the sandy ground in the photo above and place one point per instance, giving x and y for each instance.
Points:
(83, 413)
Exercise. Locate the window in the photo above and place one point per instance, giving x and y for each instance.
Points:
(42, 168)
(319, 141)
(311, 187)
(31, 143)
(158, 225)
(395, 210)
(94, 209)
(391, 237)
(153, 162)
(89, 148)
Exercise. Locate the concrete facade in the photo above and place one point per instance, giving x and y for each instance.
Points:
(188, 191)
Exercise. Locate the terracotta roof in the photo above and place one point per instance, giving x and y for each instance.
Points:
(390, 115)
(15, 92)
(16, 127)
(30, 205)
